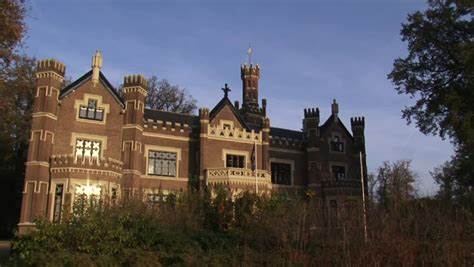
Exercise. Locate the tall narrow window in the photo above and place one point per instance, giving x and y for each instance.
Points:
(162, 163)
(91, 111)
(58, 202)
(281, 173)
(235, 161)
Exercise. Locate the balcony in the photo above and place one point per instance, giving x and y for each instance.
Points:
(70, 163)
(238, 176)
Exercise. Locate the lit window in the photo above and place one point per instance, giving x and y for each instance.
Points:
(336, 145)
(91, 111)
(281, 173)
(338, 172)
(235, 161)
(162, 163)
(87, 149)
(155, 198)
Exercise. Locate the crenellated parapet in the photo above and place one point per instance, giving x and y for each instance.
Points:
(135, 83)
(249, 70)
(311, 122)
(50, 68)
(70, 163)
(285, 141)
(358, 126)
(167, 127)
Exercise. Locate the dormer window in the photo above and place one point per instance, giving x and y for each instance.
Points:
(337, 145)
(91, 111)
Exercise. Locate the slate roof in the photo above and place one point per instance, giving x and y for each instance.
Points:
(173, 117)
(70, 88)
(280, 132)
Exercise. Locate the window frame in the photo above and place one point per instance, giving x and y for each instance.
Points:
(94, 110)
(151, 160)
(274, 174)
(242, 162)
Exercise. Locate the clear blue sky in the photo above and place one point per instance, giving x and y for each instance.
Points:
(309, 52)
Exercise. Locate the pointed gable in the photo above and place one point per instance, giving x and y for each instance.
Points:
(86, 77)
(332, 124)
(225, 111)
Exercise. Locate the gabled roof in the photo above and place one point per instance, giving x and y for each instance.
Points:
(329, 121)
(226, 102)
(174, 117)
(70, 88)
(286, 133)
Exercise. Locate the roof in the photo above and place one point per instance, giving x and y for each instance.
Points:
(174, 117)
(286, 133)
(329, 121)
(70, 88)
(224, 102)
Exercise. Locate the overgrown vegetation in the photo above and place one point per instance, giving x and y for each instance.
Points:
(193, 229)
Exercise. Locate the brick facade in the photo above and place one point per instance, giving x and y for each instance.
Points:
(88, 139)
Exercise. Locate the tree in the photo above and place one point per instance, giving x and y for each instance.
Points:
(395, 183)
(439, 73)
(12, 30)
(164, 96)
(17, 92)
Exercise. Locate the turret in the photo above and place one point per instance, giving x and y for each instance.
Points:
(250, 75)
(265, 144)
(357, 126)
(49, 80)
(311, 123)
(134, 94)
(204, 123)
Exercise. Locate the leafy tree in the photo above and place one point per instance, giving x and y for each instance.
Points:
(12, 30)
(164, 96)
(439, 73)
(17, 92)
(395, 183)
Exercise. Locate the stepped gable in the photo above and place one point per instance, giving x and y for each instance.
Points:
(174, 117)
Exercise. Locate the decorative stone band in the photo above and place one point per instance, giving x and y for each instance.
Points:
(133, 89)
(49, 74)
(238, 176)
(236, 134)
(70, 161)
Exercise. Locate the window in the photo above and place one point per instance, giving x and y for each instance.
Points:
(162, 163)
(227, 126)
(281, 173)
(87, 148)
(91, 111)
(235, 161)
(336, 145)
(338, 172)
(155, 198)
(58, 202)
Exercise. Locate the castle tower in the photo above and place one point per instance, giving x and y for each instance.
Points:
(312, 135)
(49, 80)
(134, 92)
(250, 75)
(357, 127)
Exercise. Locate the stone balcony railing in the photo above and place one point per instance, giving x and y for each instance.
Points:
(237, 176)
(72, 162)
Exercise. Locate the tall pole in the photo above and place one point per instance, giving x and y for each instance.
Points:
(363, 195)
(256, 180)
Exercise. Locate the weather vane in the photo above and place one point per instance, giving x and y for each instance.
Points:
(249, 54)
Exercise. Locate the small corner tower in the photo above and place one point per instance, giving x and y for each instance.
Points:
(134, 93)
(49, 80)
(250, 75)
(357, 126)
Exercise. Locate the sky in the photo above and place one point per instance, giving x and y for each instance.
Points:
(309, 52)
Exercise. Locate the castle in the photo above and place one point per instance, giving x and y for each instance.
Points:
(88, 139)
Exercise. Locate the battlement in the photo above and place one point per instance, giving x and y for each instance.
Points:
(135, 81)
(311, 113)
(266, 122)
(174, 128)
(357, 121)
(249, 70)
(204, 113)
(51, 65)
